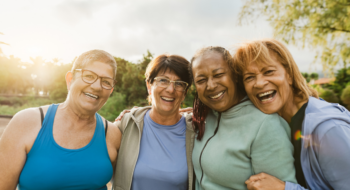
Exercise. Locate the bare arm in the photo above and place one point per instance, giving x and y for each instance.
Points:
(113, 140)
(15, 143)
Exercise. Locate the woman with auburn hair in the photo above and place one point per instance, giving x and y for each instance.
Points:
(155, 151)
(320, 130)
(234, 139)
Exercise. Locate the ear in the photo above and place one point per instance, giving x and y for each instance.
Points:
(111, 91)
(149, 87)
(69, 78)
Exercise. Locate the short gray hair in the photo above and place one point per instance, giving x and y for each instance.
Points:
(94, 55)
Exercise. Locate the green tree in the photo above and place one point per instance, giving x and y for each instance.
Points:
(323, 25)
(314, 76)
(342, 79)
(329, 96)
(345, 96)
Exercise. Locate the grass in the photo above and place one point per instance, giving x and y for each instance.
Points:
(12, 105)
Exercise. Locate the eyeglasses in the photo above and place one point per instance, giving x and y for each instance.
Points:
(164, 83)
(91, 77)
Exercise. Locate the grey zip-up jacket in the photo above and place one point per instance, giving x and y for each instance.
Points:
(131, 127)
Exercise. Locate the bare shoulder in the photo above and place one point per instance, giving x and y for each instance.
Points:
(113, 134)
(26, 120)
(23, 128)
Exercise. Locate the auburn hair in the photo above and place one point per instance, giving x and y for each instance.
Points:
(260, 51)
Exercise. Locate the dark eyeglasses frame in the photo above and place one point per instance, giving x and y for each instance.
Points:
(98, 77)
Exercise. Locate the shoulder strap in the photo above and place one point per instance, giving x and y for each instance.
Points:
(41, 115)
(106, 127)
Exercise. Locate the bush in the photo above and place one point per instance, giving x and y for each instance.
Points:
(114, 105)
(329, 96)
(345, 96)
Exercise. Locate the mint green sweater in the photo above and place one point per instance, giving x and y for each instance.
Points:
(247, 142)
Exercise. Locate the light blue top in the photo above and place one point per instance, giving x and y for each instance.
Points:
(325, 153)
(162, 158)
(50, 166)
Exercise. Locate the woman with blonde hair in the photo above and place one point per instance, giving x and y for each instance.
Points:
(320, 130)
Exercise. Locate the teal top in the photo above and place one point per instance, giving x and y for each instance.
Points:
(247, 142)
(50, 166)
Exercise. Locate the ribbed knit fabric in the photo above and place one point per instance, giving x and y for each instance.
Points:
(50, 166)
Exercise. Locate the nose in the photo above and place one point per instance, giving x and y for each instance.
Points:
(97, 84)
(170, 88)
(211, 84)
(260, 82)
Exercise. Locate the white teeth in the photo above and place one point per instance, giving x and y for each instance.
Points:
(168, 99)
(267, 99)
(91, 95)
(265, 93)
(217, 96)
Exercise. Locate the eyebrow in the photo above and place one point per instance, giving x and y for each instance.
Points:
(215, 70)
(163, 76)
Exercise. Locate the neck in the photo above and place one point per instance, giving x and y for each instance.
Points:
(291, 107)
(163, 119)
(76, 116)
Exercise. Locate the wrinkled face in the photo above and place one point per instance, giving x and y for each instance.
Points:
(268, 85)
(166, 101)
(214, 83)
(90, 97)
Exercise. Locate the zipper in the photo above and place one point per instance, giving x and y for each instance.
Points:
(200, 157)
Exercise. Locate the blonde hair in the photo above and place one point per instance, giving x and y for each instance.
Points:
(260, 51)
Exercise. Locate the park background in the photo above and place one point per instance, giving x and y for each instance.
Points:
(40, 40)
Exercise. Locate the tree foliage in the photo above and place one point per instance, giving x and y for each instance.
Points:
(323, 25)
(345, 96)
(42, 77)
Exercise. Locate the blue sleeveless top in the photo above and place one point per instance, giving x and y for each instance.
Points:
(50, 166)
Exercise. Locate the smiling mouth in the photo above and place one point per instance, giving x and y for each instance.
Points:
(218, 95)
(91, 95)
(167, 99)
(266, 96)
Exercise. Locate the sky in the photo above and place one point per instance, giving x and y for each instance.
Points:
(64, 29)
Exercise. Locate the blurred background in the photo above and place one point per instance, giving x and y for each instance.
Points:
(39, 41)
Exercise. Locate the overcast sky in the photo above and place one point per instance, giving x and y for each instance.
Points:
(126, 28)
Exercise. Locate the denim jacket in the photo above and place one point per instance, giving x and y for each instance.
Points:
(325, 153)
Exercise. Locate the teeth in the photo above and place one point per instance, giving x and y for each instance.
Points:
(91, 95)
(264, 100)
(265, 93)
(168, 99)
(217, 96)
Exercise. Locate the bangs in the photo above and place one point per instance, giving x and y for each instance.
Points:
(256, 52)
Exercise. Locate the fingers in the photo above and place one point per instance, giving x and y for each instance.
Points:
(186, 110)
(257, 177)
(122, 114)
(251, 185)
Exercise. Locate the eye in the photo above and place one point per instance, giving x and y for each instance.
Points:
(163, 80)
(269, 72)
(248, 78)
(219, 75)
(106, 82)
(89, 76)
(200, 81)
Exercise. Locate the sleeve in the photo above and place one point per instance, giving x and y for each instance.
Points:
(293, 186)
(334, 156)
(272, 151)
